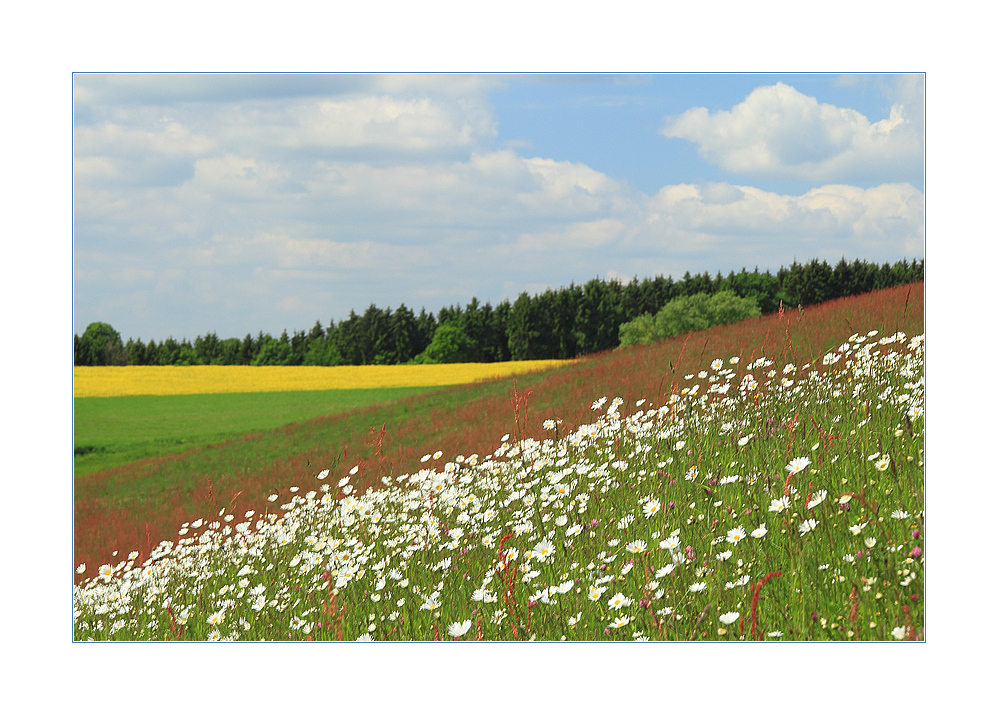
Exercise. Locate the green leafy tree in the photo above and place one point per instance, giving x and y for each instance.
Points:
(206, 348)
(101, 344)
(524, 329)
(186, 354)
(273, 351)
(450, 344)
(641, 330)
(598, 317)
(228, 352)
(686, 314)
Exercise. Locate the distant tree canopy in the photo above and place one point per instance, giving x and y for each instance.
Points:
(688, 313)
(564, 323)
(99, 345)
(450, 344)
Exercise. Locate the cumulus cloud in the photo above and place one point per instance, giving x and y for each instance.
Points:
(254, 213)
(437, 235)
(779, 132)
(825, 222)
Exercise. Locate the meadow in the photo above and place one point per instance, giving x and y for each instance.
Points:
(110, 432)
(127, 414)
(753, 481)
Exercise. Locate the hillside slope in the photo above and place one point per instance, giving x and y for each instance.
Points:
(137, 506)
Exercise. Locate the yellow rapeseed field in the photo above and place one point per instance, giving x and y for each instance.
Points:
(208, 379)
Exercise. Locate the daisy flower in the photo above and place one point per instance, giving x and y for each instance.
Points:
(652, 507)
(883, 463)
(699, 586)
(620, 622)
(665, 571)
(817, 498)
(735, 535)
(564, 587)
(618, 601)
(458, 629)
(760, 532)
(738, 582)
(809, 525)
(596, 592)
(729, 618)
(779, 505)
(900, 514)
(636, 547)
(672, 543)
(217, 617)
(798, 465)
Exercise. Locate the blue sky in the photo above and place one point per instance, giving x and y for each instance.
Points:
(240, 203)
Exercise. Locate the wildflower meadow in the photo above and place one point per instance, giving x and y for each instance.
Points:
(755, 500)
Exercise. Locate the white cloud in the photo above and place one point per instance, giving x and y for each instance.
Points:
(581, 236)
(256, 214)
(778, 132)
(885, 222)
(239, 178)
(387, 122)
(161, 135)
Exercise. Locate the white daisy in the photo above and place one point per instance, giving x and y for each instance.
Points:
(797, 465)
(618, 601)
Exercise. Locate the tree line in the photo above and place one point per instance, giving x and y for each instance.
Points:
(555, 324)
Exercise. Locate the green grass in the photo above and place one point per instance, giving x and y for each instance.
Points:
(110, 432)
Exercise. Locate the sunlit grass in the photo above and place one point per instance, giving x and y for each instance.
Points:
(213, 379)
(109, 432)
(756, 501)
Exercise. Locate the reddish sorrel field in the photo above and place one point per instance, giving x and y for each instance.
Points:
(135, 507)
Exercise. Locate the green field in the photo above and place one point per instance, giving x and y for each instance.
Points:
(110, 432)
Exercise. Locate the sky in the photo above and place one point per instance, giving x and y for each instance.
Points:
(239, 203)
